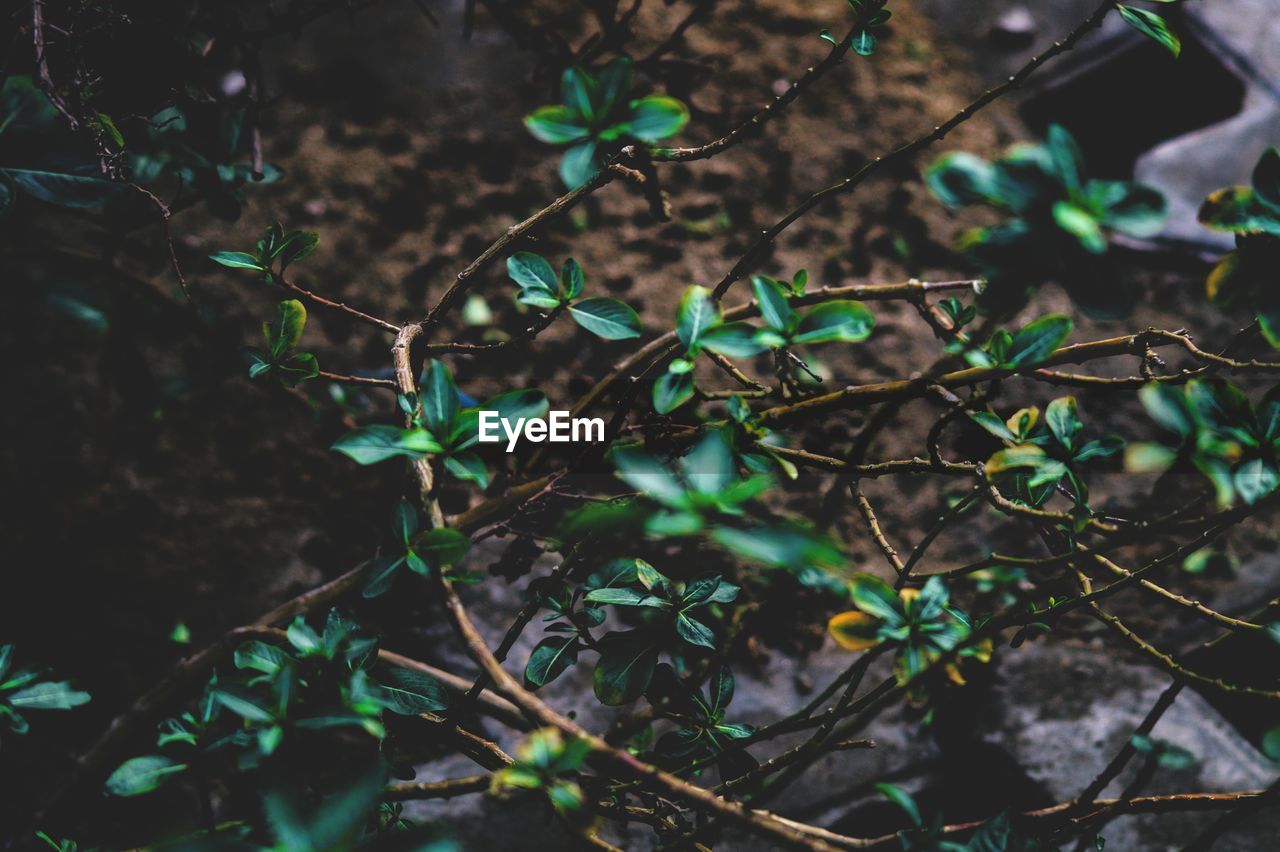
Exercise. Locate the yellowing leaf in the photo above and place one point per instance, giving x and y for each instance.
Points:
(853, 630)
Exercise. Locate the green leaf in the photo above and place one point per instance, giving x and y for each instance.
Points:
(410, 693)
(1068, 162)
(1271, 740)
(550, 659)
(556, 125)
(298, 245)
(772, 301)
(440, 400)
(697, 313)
(959, 179)
(1152, 26)
(607, 318)
(876, 598)
(1238, 210)
(709, 466)
(1168, 406)
(671, 391)
(1037, 340)
(532, 270)
(656, 117)
(614, 83)
(372, 444)
(572, 279)
(283, 335)
(62, 189)
(695, 632)
(468, 467)
(1081, 224)
(577, 90)
(539, 298)
(625, 668)
(1061, 418)
(1266, 177)
(236, 260)
(992, 424)
(1255, 479)
(625, 597)
(1016, 458)
(864, 42)
(580, 164)
(48, 695)
(381, 573)
(735, 340)
(142, 775)
(243, 704)
(442, 546)
(842, 320)
(902, 799)
(1134, 209)
(262, 657)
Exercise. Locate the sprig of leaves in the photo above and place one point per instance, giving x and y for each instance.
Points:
(26, 689)
(280, 359)
(596, 118)
(273, 253)
(542, 288)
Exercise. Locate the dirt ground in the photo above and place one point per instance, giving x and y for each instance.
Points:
(160, 485)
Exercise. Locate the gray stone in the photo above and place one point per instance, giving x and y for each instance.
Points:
(1014, 28)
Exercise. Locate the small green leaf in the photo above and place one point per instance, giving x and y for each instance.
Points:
(735, 340)
(1061, 418)
(1037, 340)
(48, 695)
(607, 318)
(992, 424)
(656, 117)
(1153, 26)
(372, 444)
(532, 270)
(1266, 178)
(283, 335)
(550, 659)
(556, 125)
(671, 391)
(577, 90)
(236, 260)
(864, 42)
(772, 301)
(1081, 224)
(625, 668)
(298, 245)
(876, 598)
(142, 775)
(441, 547)
(572, 279)
(580, 163)
(902, 799)
(410, 693)
(697, 313)
(440, 399)
(844, 321)
(695, 632)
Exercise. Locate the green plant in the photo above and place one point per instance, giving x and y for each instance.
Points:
(1059, 221)
(727, 508)
(597, 116)
(26, 689)
(1252, 214)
